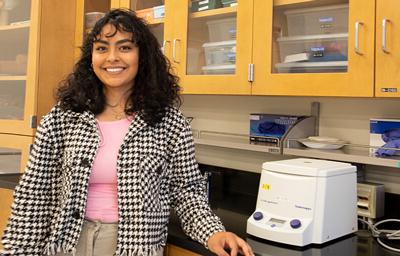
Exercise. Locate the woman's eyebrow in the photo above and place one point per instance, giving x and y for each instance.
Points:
(122, 41)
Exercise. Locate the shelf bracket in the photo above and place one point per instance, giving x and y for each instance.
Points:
(315, 114)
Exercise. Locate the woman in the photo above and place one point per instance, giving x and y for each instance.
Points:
(112, 157)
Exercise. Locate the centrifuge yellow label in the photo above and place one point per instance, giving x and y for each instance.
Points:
(266, 186)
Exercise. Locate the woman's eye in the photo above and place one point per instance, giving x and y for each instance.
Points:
(100, 48)
(125, 48)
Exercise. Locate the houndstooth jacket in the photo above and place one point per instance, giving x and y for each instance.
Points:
(156, 170)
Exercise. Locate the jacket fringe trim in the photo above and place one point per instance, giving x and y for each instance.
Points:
(140, 251)
(52, 249)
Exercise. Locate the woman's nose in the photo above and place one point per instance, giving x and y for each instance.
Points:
(112, 55)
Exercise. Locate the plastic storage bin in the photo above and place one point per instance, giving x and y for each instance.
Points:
(219, 70)
(312, 67)
(314, 48)
(204, 5)
(220, 53)
(318, 20)
(222, 30)
(91, 18)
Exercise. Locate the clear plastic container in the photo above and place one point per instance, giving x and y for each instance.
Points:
(91, 18)
(222, 30)
(312, 67)
(313, 48)
(220, 53)
(318, 20)
(219, 70)
(159, 12)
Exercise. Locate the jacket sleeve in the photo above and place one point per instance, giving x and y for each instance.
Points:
(29, 222)
(189, 195)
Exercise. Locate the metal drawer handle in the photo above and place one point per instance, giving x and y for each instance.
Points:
(356, 43)
(174, 50)
(384, 30)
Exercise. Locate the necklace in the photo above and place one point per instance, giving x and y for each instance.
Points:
(112, 105)
(118, 115)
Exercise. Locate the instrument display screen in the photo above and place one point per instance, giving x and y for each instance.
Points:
(278, 221)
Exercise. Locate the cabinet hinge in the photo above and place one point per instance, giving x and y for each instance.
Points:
(250, 77)
(30, 148)
(33, 122)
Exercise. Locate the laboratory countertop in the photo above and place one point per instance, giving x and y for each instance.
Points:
(234, 204)
(9, 180)
(359, 244)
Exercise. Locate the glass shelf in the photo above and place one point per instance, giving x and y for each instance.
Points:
(214, 12)
(14, 26)
(353, 153)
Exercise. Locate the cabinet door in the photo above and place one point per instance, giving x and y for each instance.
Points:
(314, 48)
(178, 251)
(211, 46)
(14, 152)
(156, 13)
(6, 196)
(18, 40)
(387, 51)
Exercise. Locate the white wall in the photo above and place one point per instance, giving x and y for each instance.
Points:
(344, 118)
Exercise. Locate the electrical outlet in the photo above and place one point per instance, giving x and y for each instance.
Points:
(370, 200)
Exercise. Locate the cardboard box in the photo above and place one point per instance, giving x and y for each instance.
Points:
(270, 128)
(381, 131)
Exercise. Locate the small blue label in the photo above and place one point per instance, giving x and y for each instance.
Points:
(326, 19)
(317, 49)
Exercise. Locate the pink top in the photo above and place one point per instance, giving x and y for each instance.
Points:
(102, 200)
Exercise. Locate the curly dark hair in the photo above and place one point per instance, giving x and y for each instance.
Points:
(155, 89)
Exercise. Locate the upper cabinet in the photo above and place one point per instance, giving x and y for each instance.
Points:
(314, 48)
(211, 45)
(31, 61)
(387, 82)
(276, 47)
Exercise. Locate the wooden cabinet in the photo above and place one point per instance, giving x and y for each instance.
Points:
(36, 43)
(198, 46)
(242, 48)
(172, 250)
(387, 79)
(36, 49)
(6, 196)
(333, 59)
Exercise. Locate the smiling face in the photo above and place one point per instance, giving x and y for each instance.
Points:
(115, 59)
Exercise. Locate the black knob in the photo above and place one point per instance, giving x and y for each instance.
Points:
(85, 162)
(76, 214)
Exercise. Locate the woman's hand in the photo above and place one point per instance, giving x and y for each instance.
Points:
(218, 242)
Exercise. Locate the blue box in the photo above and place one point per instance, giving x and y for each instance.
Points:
(381, 131)
(270, 128)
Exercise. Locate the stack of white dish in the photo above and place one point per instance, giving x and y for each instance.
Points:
(321, 142)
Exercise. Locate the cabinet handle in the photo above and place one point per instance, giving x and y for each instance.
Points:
(165, 42)
(174, 50)
(356, 43)
(384, 46)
